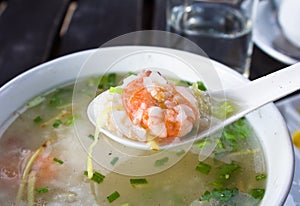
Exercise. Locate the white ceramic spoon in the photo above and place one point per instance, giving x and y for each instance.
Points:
(248, 97)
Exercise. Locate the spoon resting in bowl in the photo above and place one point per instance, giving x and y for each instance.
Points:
(247, 97)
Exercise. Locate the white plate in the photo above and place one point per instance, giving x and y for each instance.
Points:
(288, 108)
(266, 34)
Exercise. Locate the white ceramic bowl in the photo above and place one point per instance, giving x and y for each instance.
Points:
(288, 18)
(267, 121)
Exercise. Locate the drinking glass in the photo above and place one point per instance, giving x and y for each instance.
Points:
(221, 28)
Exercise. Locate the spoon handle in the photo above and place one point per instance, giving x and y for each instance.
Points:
(268, 88)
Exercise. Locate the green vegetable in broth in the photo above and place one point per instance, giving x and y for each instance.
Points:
(57, 123)
(97, 177)
(258, 193)
(203, 168)
(260, 177)
(225, 172)
(223, 196)
(58, 160)
(38, 119)
(112, 197)
(42, 190)
(138, 181)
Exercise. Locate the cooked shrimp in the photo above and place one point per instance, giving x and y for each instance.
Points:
(157, 105)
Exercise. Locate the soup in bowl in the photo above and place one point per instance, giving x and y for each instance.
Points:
(51, 154)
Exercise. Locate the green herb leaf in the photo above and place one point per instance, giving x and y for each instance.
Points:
(113, 196)
(234, 134)
(37, 120)
(42, 190)
(221, 195)
(57, 123)
(203, 168)
(138, 181)
(258, 193)
(161, 162)
(58, 160)
(97, 177)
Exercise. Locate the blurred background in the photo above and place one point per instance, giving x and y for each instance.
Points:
(36, 31)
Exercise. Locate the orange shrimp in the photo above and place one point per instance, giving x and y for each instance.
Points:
(156, 104)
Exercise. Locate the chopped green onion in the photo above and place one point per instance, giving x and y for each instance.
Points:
(91, 136)
(113, 196)
(42, 190)
(161, 162)
(103, 82)
(35, 101)
(258, 193)
(260, 177)
(203, 168)
(118, 90)
(201, 86)
(58, 160)
(57, 123)
(180, 152)
(38, 119)
(138, 181)
(97, 177)
(114, 161)
(111, 79)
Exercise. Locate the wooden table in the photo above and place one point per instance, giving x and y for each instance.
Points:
(36, 31)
